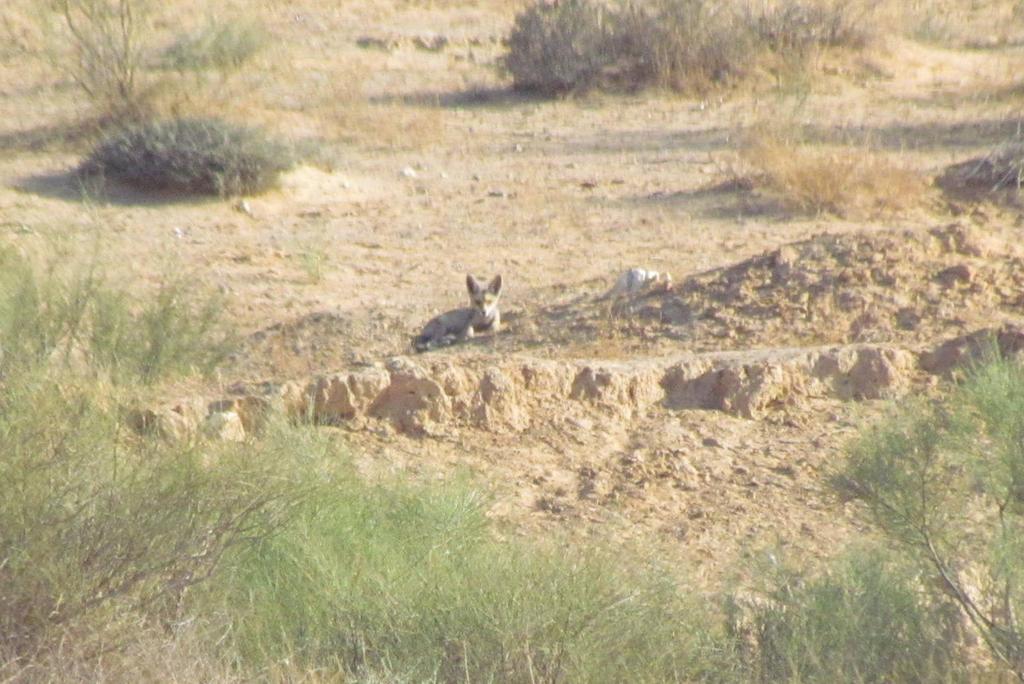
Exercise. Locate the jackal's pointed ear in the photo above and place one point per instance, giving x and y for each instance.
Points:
(495, 286)
(473, 285)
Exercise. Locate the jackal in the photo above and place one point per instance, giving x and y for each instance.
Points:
(459, 325)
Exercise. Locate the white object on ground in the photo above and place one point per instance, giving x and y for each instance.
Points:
(637, 280)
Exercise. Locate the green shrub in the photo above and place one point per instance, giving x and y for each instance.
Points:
(224, 46)
(409, 584)
(204, 156)
(99, 534)
(866, 620)
(173, 331)
(944, 482)
(57, 318)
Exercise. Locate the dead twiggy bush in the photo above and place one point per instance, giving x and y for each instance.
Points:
(105, 42)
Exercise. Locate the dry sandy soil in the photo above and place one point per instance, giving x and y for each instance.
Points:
(702, 421)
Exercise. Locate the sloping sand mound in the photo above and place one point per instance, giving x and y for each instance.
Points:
(896, 287)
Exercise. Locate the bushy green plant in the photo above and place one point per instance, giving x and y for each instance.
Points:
(865, 620)
(98, 531)
(56, 316)
(173, 331)
(945, 482)
(409, 584)
(203, 156)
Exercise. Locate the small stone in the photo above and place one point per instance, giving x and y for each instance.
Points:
(409, 172)
(430, 43)
(580, 423)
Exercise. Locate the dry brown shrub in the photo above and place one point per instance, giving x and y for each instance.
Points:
(565, 46)
(843, 180)
(568, 46)
(798, 26)
(694, 44)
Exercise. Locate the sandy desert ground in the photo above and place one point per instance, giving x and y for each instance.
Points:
(703, 420)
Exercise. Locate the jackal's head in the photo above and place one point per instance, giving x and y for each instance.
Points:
(484, 297)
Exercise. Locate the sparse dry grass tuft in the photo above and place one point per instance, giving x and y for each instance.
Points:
(152, 655)
(840, 180)
(219, 45)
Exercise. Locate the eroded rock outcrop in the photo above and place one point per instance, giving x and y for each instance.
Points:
(343, 396)
(620, 387)
(515, 393)
(512, 394)
(412, 401)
